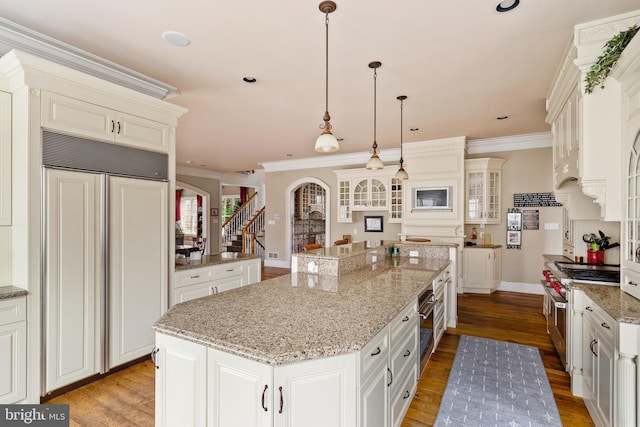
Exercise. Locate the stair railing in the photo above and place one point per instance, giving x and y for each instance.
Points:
(233, 226)
(253, 228)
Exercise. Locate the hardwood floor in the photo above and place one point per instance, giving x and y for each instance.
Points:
(126, 398)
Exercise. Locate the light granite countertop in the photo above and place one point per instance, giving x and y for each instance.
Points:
(215, 259)
(7, 292)
(303, 316)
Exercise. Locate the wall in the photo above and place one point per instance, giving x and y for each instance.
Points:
(5, 256)
(525, 171)
(277, 200)
(211, 186)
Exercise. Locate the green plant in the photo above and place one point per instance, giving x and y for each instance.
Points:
(612, 50)
(179, 232)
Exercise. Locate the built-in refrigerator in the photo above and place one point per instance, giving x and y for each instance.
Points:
(105, 252)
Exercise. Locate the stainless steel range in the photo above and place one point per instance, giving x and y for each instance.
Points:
(558, 277)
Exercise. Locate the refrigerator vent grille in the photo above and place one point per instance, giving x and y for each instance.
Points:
(70, 152)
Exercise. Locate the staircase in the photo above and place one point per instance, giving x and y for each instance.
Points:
(244, 231)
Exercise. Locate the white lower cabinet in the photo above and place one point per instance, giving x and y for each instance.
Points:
(209, 280)
(482, 269)
(13, 350)
(198, 386)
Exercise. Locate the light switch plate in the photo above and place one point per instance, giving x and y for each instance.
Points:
(413, 253)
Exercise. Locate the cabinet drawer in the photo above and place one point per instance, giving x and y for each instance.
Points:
(631, 283)
(13, 310)
(601, 319)
(405, 353)
(438, 326)
(186, 293)
(228, 270)
(374, 354)
(402, 394)
(194, 276)
(406, 320)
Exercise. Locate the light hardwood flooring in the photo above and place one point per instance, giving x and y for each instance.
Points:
(126, 398)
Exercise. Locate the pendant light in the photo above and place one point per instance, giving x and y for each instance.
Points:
(401, 174)
(374, 162)
(326, 142)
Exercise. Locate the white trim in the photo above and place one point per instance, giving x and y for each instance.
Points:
(14, 36)
(281, 264)
(392, 155)
(525, 288)
(510, 143)
(327, 211)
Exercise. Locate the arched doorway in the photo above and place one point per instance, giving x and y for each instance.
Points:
(308, 214)
(194, 209)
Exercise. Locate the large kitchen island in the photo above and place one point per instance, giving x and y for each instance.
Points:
(327, 346)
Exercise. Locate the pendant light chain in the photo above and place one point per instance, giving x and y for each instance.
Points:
(326, 142)
(375, 103)
(326, 117)
(401, 108)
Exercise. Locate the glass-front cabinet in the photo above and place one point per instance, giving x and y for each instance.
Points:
(365, 190)
(483, 179)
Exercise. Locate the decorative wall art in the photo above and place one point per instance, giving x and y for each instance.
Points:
(531, 220)
(514, 229)
(214, 211)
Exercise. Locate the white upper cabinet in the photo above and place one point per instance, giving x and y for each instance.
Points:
(69, 115)
(483, 185)
(5, 158)
(365, 190)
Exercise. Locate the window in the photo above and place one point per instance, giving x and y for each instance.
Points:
(229, 206)
(189, 215)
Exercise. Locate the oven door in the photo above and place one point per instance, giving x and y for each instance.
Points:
(557, 323)
(427, 302)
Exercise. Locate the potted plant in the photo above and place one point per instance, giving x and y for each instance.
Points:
(179, 234)
(605, 62)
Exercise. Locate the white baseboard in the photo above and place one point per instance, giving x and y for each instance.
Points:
(525, 288)
(280, 264)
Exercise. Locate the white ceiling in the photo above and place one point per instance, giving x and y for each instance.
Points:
(460, 63)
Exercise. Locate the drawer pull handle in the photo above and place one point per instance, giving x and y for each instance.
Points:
(407, 353)
(407, 394)
(154, 357)
(632, 283)
(376, 351)
(604, 325)
(588, 308)
(118, 128)
(391, 380)
(194, 277)
(113, 126)
(230, 270)
(263, 393)
(281, 400)
(406, 319)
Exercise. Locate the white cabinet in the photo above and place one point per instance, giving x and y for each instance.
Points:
(365, 190)
(5, 158)
(482, 269)
(566, 145)
(198, 386)
(181, 382)
(389, 371)
(209, 280)
(598, 358)
(13, 350)
(440, 286)
(483, 183)
(69, 115)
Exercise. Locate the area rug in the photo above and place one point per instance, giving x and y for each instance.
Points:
(497, 383)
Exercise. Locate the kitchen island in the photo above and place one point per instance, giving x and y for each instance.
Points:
(301, 349)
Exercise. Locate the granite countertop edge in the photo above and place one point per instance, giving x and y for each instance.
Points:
(216, 259)
(9, 291)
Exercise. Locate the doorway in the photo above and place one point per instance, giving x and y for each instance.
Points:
(192, 206)
(307, 212)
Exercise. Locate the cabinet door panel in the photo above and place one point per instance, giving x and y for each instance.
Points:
(72, 277)
(13, 362)
(77, 117)
(138, 265)
(141, 132)
(374, 400)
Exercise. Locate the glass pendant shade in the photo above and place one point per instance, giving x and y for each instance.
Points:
(375, 162)
(326, 142)
(401, 174)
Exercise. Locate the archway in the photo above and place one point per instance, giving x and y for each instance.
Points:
(308, 214)
(197, 225)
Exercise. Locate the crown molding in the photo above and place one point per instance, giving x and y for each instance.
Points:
(510, 143)
(14, 36)
(392, 156)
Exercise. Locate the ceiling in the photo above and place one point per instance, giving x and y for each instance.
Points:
(460, 63)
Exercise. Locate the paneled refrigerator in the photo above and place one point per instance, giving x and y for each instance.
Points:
(105, 246)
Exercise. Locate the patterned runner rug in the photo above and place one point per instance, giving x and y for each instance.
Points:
(497, 383)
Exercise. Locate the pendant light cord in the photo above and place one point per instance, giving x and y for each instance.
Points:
(326, 117)
(375, 76)
(401, 107)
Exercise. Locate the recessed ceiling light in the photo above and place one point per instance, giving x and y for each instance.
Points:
(414, 129)
(176, 39)
(502, 118)
(189, 162)
(507, 5)
(289, 155)
(249, 79)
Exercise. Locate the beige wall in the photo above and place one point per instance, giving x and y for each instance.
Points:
(277, 199)
(211, 186)
(525, 171)
(5, 256)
